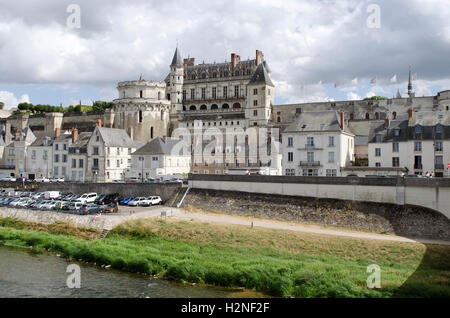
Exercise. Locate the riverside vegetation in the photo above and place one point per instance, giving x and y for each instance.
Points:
(279, 263)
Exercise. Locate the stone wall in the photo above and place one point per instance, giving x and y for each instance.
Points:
(363, 216)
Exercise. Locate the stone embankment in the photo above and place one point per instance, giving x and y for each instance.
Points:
(361, 216)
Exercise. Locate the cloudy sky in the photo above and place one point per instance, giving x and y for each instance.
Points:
(309, 45)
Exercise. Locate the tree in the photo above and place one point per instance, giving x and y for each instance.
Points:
(1, 105)
(376, 98)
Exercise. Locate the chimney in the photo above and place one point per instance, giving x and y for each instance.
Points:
(342, 121)
(99, 123)
(74, 135)
(259, 57)
(233, 59)
(57, 132)
(411, 117)
(387, 122)
(131, 132)
(7, 132)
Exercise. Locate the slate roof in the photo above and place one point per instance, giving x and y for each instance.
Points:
(161, 146)
(261, 76)
(115, 137)
(407, 132)
(177, 60)
(39, 142)
(317, 122)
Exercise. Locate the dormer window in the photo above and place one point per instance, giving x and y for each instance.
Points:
(418, 129)
(378, 138)
(396, 132)
(438, 129)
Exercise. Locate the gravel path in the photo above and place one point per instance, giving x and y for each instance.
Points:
(126, 214)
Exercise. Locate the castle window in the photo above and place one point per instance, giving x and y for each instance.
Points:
(255, 91)
(255, 113)
(214, 107)
(214, 92)
(184, 94)
(225, 74)
(394, 115)
(225, 92)
(203, 93)
(151, 132)
(377, 116)
(236, 106)
(203, 75)
(367, 116)
(236, 73)
(255, 103)
(203, 107)
(184, 108)
(214, 75)
(193, 107)
(192, 94)
(140, 94)
(140, 116)
(236, 91)
(225, 106)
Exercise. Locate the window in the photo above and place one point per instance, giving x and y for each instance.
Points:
(396, 132)
(192, 94)
(55, 171)
(395, 147)
(290, 142)
(310, 142)
(95, 164)
(290, 156)
(107, 163)
(418, 162)
(141, 118)
(310, 157)
(255, 113)
(255, 91)
(97, 138)
(331, 141)
(184, 94)
(378, 164)
(378, 138)
(377, 152)
(33, 154)
(56, 158)
(310, 172)
(56, 146)
(438, 146)
(214, 93)
(64, 146)
(45, 156)
(255, 103)
(396, 162)
(225, 92)
(95, 151)
(418, 129)
(236, 91)
(118, 151)
(63, 171)
(74, 163)
(80, 163)
(203, 93)
(118, 163)
(331, 173)
(290, 172)
(418, 146)
(331, 157)
(64, 158)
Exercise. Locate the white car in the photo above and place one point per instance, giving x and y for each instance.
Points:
(87, 198)
(42, 180)
(150, 201)
(9, 179)
(57, 180)
(48, 206)
(136, 202)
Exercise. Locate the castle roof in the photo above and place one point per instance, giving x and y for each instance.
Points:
(115, 137)
(162, 146)
(261, 76)
(177, 60)
(317, 122)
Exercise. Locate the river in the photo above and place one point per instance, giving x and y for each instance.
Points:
(41, 275)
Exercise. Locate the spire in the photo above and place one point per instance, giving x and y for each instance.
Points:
(140, 78)
(398, 93)
(177, 61)
(410, 83)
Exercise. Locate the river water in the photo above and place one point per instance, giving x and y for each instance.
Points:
(31, 274)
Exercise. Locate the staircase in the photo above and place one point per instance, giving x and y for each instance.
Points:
(184, 196)
(104, 234)
(179, 198)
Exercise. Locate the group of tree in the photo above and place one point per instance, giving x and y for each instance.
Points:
(28, 107)
(1, 105)
(376, 98)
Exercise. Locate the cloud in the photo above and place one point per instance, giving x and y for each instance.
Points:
(353, 96)
(303, 41)
(12, 101)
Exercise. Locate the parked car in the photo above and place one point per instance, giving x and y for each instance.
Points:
(126, 200)
(8, 179)
(87, 198)
(150, 201)
(72, 206)
(57, 180)
(111, 208)
(99, 199)
(42, 180)
(111, 198)
(136, 202)
(51, 194)
(91, 209)
(134, 180)
(414, 176)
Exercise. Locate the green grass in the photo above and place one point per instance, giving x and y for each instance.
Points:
(280, 263)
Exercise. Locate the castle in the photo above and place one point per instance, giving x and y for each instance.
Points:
(234, 94)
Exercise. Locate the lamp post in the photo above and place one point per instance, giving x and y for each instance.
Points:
(141, 160)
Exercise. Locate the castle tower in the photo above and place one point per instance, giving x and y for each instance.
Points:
(260, 97)
(176, 79)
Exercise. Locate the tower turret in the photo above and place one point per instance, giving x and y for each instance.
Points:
(176, 79)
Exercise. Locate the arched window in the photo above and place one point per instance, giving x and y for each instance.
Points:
(141, 117)
(394, 115)
(377, 116)
(203, 107)
(225, 106)
(352, 116)
(203, 75)
(367, 116)
(225, 74)
(214, 107)
(140, 94)
(236, 73)
(236, 106)
(151, 132)
(214, 75)
(193, 107)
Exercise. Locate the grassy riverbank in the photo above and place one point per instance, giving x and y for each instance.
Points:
(281, 263)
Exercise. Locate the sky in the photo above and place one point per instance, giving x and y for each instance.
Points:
(52, 52)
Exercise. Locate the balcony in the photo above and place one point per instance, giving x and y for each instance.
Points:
(3, 167)
(439, 166)
(310, 147)
(310, 164)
